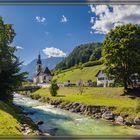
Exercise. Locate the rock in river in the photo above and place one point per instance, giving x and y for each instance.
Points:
(137, 120)
(40, 122)
(119, 120)
(108, 115)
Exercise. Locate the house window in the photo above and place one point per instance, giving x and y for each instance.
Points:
(44, 77)
(101, 78)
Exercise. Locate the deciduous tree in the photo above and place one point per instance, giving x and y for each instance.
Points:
(121, 52)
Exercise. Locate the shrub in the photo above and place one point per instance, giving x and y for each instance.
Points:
(53, 88)
(80, 87)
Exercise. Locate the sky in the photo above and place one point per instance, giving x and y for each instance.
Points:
(55, 30)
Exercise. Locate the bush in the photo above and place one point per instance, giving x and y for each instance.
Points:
(53, 88)
(80, 87)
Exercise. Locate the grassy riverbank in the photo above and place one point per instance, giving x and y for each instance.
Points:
(8, 121)
(13, 122)
(95, 96)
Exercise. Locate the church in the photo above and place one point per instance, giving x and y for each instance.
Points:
(42, 76)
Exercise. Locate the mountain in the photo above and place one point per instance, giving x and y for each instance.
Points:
(81, 54)
(49, 62)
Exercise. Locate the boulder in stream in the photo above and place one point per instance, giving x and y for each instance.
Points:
(119, 120)
(137, 120)
(40, 122)
(108, 115)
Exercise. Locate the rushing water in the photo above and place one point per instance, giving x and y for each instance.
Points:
(63, 122)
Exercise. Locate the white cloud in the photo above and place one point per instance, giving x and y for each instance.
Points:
(108, 17)
(40, 19)
(92, 19)
(64, 19)
(91, 32)
(54, 52)
(19, 47)
(99, 9)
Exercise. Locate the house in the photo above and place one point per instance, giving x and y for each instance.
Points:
(102, 79)
(42, 76)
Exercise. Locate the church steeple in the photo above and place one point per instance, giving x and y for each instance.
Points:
(42, 76)
(39, 59)
(39, 64)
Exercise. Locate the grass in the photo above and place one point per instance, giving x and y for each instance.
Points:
(95, 96)
(85, 74)
(8, 121)
(92, 96)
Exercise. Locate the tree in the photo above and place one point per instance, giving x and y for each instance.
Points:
(10, 78)
(53, 88)
(92, 58)
(121, 52)
(81, 87)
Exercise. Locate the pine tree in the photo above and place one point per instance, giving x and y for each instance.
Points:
(10, 78)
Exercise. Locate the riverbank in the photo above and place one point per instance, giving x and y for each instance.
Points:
(101, 103)
(28, 127)
(14, 122)
(60, 122)
(97, 112)
(9, 125)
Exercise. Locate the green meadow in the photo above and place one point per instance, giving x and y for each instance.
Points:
(85, 74)
(94, 96)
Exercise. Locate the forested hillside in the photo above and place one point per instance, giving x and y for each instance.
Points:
(81, 54)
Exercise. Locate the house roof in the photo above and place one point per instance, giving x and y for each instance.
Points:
(47, 71)
(99, 72)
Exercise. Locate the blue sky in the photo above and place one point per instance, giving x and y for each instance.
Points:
(58, 29)
(34, 36)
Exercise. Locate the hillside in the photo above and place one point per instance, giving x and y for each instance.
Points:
(85, 74)
(81, 54)
(8, 121)
(49, 62)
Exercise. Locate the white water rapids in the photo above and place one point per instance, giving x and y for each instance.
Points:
(63, 122)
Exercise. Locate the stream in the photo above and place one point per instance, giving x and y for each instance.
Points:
(64, 123)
